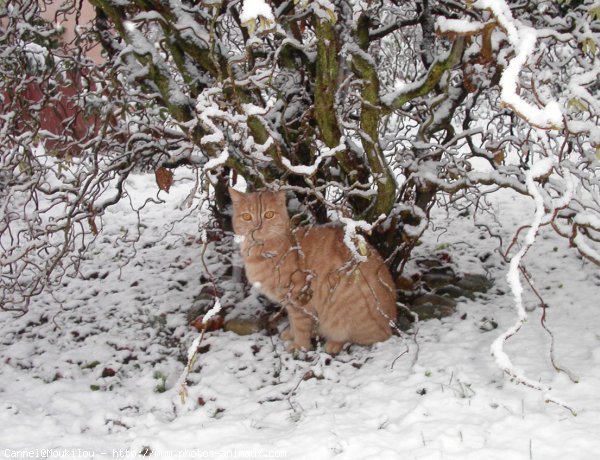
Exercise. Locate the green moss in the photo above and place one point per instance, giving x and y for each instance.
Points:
(434, 75)
(91, 365)
(369, 122)
(326, 81)
(161, 387)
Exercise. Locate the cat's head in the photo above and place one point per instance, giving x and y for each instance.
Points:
(260, 215)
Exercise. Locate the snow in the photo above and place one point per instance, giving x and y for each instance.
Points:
(248, 398)
(213, 311)
(217, 161)
(523, 39)
(513, 277)
(462, 26)
(588, 219)
(405, 88)
(325, 152)
(324, 10)
(140, 45)
(354, 241)
(36, 55)
(541, 168)
(252, 9)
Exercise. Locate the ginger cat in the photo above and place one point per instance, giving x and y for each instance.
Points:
(313, 274)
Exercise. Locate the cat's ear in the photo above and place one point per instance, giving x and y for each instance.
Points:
(280, 197)
(236, 196)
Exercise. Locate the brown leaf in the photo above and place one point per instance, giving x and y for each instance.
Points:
(311, 375)
(213, 324)
(164, 178)
(92, 220)
(108, 372)
(308, 375)
(93, 226)
(499, 156)
(404, 283)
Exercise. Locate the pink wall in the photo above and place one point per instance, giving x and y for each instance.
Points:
(61, 117)
(86, 19)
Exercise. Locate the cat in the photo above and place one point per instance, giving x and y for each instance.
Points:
(313, 274)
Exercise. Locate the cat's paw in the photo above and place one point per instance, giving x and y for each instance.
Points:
(287, 334)
(294, 346)
(333, 348)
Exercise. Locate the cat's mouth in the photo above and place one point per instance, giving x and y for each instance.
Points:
(260, 236)
(251, 238)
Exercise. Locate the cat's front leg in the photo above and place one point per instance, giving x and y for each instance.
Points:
(333, 348)
(300, 330)
(286, 334)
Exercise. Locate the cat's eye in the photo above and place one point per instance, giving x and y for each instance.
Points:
(247, 217)
(269, 215)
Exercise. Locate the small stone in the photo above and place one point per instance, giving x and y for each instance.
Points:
(475, 283)
(454, 292)
(208, 290)
(442, 270)
(437, 280)
(199, 308)
(243, 326)
(431, 306)
(429, 263)
(404, 322)
(485, 256)
(488, 325)
(434, 300)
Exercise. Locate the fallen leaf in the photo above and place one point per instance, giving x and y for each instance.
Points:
(164, 178)
(213, 324)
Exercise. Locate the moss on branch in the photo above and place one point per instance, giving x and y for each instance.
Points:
(433, 77)
(326, 81)
(370, 116)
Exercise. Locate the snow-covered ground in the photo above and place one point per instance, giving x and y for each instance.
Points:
(92, 368)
